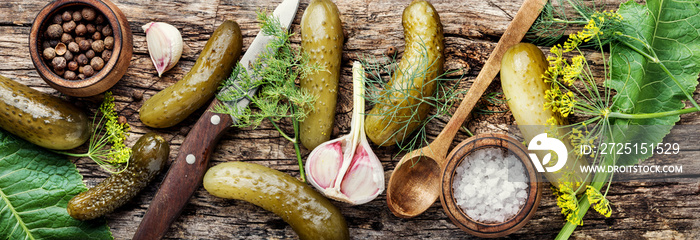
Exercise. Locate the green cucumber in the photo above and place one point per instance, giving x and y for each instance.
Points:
(40, 118)
(394, 118)
(310, 214)
(322, 41)
(522, 68)
(148, 157)
(215, 63)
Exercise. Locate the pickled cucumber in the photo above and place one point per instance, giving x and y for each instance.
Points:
(522, 68)
(311, 215)
(148, 157)
(322, 41)
(402, 107)
(40, 118)
(215, 63)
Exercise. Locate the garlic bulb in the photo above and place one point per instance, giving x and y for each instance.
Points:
(164, 45)
(346, 169)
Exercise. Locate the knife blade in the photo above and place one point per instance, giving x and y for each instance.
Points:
(187, 170)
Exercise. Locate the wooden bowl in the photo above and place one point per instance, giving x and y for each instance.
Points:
(113, 69)
(455, 212)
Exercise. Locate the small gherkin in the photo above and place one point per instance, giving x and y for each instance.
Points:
(198, 86)
(40, 118)
(403, 107)
(322, 40)
(148, 157)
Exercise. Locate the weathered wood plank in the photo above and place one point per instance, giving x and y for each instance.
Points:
(641, 210)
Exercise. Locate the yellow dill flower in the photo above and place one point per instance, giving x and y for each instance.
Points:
(559, 102)
(602, 205)
(566, 104)
(551, 97)
(573, 70)
(580, 138)
(115, 132)
(567, 201)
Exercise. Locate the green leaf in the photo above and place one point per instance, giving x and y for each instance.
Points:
(35, 187)
(670, 31)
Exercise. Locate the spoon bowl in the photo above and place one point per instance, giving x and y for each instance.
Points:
(419, 175)
(415, 183)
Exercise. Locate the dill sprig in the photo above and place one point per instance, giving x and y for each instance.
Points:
(108, 131)
(447, 93)
(274, 73)
(560, 16)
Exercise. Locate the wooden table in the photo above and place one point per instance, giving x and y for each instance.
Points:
(640, 210)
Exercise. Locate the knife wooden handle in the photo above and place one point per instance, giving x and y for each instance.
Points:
(185, 174)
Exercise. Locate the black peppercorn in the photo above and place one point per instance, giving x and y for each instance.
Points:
(59, 72)
(80, 30)
(66, 16)
(82, 59)
(106, 55)
(73, 47)
(137, 95)
(97, 36)
(90, 28)
(77, 16)
(66, 38)
(49, 53)
(88, 14)
(99, 19)
(97, 63)
(98, 46)
(69, 26)
(57, 19)
(54, 31)
(84, 45)
(88, 71)
(68, 55)
(45, 44)
(90, 54)
(58, 63)
(72, 65)
(107, 31)
(70, 75)
(109, 42)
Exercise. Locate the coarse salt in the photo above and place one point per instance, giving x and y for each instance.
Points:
(490, 185)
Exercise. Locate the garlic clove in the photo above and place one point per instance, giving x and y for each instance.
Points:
(324, 164)
(164, 45)
(346, 169)
(364, 179)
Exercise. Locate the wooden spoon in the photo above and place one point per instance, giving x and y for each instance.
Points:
(415, 183)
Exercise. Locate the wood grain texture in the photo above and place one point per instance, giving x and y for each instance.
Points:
(642, 210)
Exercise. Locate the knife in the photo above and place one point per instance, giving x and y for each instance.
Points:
(186, 173)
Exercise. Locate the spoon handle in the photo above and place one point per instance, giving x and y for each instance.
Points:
(514, 34)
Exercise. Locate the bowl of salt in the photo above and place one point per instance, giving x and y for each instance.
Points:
(490, 188)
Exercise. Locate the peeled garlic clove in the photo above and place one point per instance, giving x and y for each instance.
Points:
(346, 169)
(164, 45)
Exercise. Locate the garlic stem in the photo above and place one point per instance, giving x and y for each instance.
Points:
(358, 103)
(345, 168)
